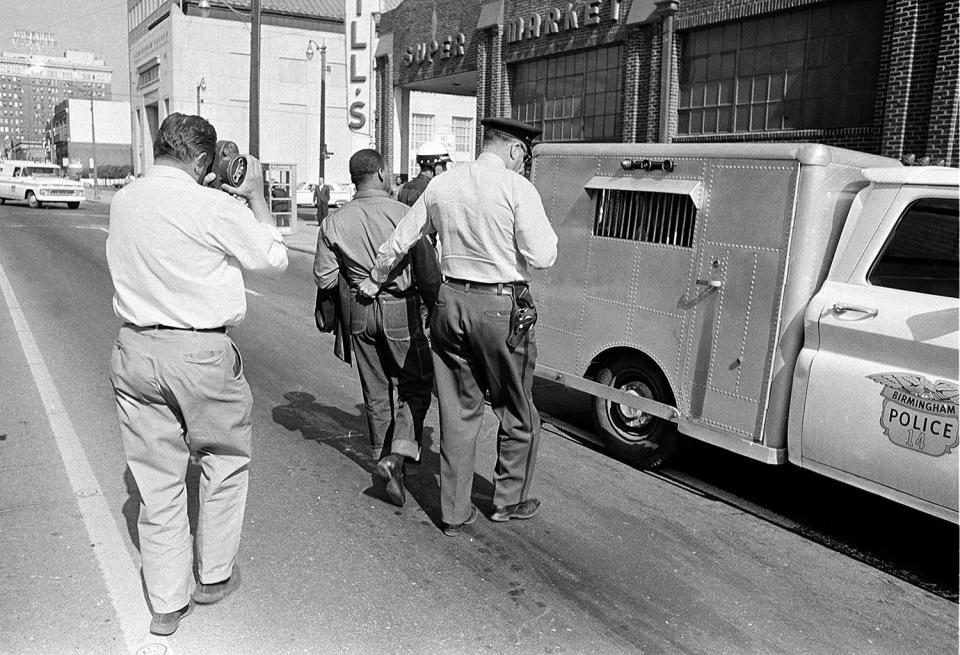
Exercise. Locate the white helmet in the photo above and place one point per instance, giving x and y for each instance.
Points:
(432, 153)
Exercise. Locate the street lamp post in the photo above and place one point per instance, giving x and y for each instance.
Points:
(202, 86)
(312, 46)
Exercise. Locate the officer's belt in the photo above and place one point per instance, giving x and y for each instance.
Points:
(144, 328)
(488, 287)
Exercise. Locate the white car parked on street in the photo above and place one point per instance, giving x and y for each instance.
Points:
(305, 194)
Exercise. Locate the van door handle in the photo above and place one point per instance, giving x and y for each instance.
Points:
(843, 307)
(712, 286)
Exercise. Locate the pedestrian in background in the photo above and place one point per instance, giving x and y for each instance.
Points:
(390, 349)
(492, 229)
(321, 199)
(175, 252)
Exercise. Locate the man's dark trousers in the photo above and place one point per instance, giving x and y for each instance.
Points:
(393, 359)
(468, 334)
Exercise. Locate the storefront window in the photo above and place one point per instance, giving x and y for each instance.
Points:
(573, 97)
(812, 68)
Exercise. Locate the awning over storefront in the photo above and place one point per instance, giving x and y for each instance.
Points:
(491, 15)
(384, 46)
(641, 11)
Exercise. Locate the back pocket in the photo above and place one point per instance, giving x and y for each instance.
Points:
(360, 308)
(401, 317)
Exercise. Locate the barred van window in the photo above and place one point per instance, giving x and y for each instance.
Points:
(664, 218)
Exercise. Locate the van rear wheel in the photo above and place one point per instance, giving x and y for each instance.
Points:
(630, 435)
(32, 200)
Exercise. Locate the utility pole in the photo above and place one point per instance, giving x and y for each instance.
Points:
(255, 78)
(93, 137)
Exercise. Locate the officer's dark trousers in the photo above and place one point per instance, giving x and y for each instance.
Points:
(470, 355)
(396, 372)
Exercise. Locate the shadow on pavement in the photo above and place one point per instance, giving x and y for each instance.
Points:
(346, 433)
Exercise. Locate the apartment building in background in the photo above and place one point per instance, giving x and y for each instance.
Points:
(32, 85)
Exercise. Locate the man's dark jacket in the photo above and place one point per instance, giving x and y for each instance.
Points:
(423, 259)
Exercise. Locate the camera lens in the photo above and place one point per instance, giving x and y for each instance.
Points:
(230, 167)
(236, 170)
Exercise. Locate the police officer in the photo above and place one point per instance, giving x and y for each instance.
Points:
(432, 158)
(492, 229)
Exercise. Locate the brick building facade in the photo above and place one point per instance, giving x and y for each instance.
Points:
(878, 76)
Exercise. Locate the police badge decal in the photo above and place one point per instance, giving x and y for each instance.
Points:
(917, 414)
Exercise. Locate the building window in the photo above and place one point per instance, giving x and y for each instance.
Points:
(574, 97)
(149, 76)
(813, 68)
(463, 134)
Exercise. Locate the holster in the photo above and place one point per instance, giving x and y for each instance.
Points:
(523, 316)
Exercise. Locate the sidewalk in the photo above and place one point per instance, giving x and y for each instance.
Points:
(104, 194)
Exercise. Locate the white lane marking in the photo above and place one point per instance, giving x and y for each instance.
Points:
(253, 293)
(61, 227)
(119, 573)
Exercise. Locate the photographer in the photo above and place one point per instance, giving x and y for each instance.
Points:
(175, 253)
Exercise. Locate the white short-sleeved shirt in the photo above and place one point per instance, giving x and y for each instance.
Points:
(176, 249)
(490, 221)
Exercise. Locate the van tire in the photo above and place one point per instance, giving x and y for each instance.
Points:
(644, 441)
(73, 205)
(32, 200)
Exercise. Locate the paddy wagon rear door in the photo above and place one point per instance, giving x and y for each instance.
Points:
(875, 394)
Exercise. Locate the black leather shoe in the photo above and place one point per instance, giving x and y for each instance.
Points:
(167, 623)
(522, 510)
(390, 471)
(455, 529)
(207, 594)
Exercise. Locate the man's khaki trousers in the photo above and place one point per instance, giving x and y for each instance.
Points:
(179, 391)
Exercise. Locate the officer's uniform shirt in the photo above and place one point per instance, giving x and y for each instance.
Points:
(490, 221)
(356, 230)
(175, 251)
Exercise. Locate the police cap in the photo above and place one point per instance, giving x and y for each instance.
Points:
(512, 127)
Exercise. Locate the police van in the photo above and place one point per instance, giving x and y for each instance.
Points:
(791, 302)
(37, 183)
